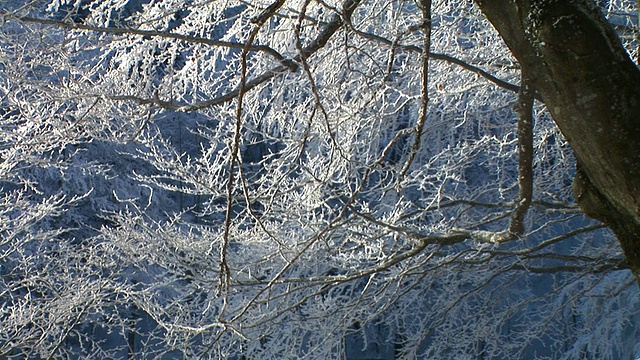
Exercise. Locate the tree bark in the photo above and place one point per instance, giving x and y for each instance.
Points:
(591, 87)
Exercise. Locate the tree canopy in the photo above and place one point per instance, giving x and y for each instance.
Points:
(319, 179)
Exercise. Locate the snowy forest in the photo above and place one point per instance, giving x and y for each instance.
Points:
(315, 179)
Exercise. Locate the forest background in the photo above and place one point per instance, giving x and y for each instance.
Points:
(318, 179)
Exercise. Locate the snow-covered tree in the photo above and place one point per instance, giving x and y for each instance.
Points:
(299, 179)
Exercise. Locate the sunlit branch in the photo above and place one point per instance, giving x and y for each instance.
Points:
(548, 206)
(525, 169)
(268, 12)
(560, 238)
(454, 237)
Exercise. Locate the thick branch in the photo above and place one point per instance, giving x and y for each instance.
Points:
(592, 89)
(525, 156)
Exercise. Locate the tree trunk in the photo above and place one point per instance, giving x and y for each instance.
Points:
(592, 89)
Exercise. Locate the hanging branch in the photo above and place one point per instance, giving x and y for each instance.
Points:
(524, 107)
(422, 116)
(525, 156)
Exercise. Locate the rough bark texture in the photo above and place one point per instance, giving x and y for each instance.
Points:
(592, 89)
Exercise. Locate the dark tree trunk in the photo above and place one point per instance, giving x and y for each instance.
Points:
(592, 89)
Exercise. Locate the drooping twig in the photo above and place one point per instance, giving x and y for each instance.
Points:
(302, 56)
